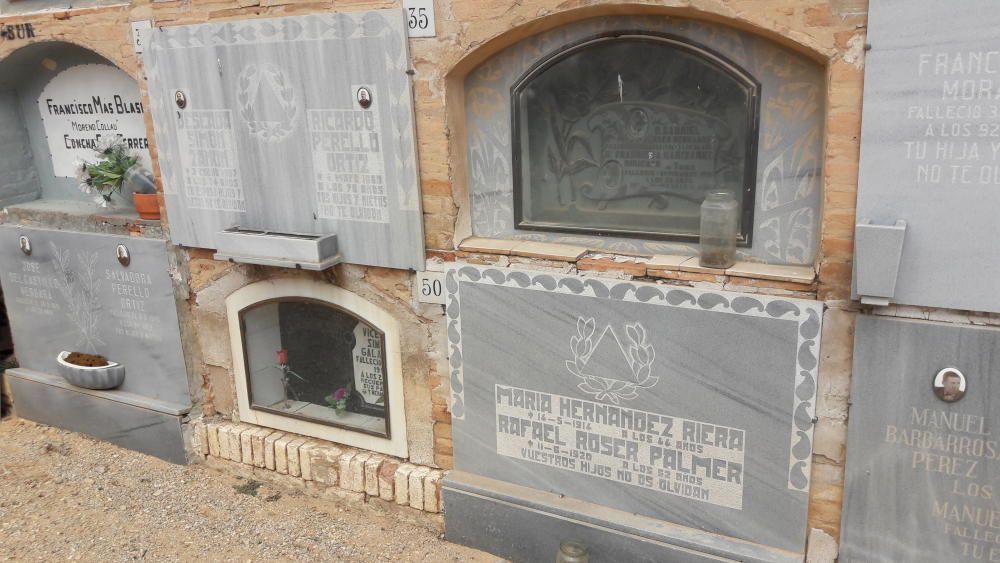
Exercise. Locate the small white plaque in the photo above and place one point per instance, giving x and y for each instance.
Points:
(368, 376)
(137, 28)
(84, 106)
(430, 287)
(419, 18)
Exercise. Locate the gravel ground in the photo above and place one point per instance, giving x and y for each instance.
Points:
(64, 496)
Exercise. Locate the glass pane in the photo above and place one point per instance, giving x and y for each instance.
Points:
(628, 136)
(309, 360)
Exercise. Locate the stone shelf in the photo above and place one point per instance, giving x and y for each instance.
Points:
(653, 266)
(81, 216)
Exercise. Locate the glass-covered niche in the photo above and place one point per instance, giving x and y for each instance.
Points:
(626, 135)
(313, 361)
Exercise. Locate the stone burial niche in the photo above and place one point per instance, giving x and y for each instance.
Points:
(610, 134)
(649, 422)
(317, 360)
(58, 102)
(289, 141)
(100, 294)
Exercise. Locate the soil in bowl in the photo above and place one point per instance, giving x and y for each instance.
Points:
(86, 360)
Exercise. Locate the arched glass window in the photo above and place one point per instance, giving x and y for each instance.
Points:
(311, 360)
(625, 134)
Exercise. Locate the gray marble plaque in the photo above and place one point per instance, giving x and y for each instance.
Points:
(692, 407)
(930, 146)
(72, 294)
(923, 474)
(272, 135)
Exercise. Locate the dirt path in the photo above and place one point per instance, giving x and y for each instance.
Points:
(64, 497)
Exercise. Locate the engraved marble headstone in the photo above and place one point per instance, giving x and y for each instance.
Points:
(923, 466)
(72, 293)
(930, 147)
(275, 133)
(684, 406)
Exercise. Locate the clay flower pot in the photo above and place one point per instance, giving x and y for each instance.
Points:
(103, 377)
(147, 206)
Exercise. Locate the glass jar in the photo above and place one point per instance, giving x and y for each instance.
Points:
(139, 180)
(572, 552)
(719, 227)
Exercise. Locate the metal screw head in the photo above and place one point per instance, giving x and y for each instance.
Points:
(25, 244)
(364, 97)
(180, 98)
(121, 252)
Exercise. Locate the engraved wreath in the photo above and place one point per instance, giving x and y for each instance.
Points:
(251, 80)
(639, 353)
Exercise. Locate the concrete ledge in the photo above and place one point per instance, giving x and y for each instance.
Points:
(126, 424)
(658, 266)
(525, 524)
(124, 397)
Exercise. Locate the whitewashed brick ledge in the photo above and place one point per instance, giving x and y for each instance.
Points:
(323, 463)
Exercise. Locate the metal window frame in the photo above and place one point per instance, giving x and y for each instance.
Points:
(247, 370)
(740, 75)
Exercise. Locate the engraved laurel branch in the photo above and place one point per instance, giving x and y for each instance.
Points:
(250, 82)
(640, 355)
(80, 289)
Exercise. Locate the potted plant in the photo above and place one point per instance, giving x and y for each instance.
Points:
(106, 174)
(143, 188)
(90, 371)
(338, 400)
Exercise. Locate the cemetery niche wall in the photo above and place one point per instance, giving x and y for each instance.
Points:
(632, 143)
(647, 421)
(109, 295)
(930, 160)
(58, 103)
(255, 143)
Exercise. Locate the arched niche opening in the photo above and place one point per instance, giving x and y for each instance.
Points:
(318, 360)
(58, 101)
(717, 107)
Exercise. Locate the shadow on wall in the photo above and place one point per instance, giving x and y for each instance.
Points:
(6, 358)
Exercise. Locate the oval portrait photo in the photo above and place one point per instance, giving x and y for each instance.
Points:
(949, 385)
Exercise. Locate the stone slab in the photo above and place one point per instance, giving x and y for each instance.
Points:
(921, 473)
(136, 428)
(528, 525)
(928, 147)
(72, 294)
(611, 392)
(265, 142)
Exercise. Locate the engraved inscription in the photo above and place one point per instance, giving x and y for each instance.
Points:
(956, 133)
(955, 449)
(654, 151)
(208, 156)
(368, 364)
(664, 453)
(133, 290)
(348, 167)
(34, 289)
